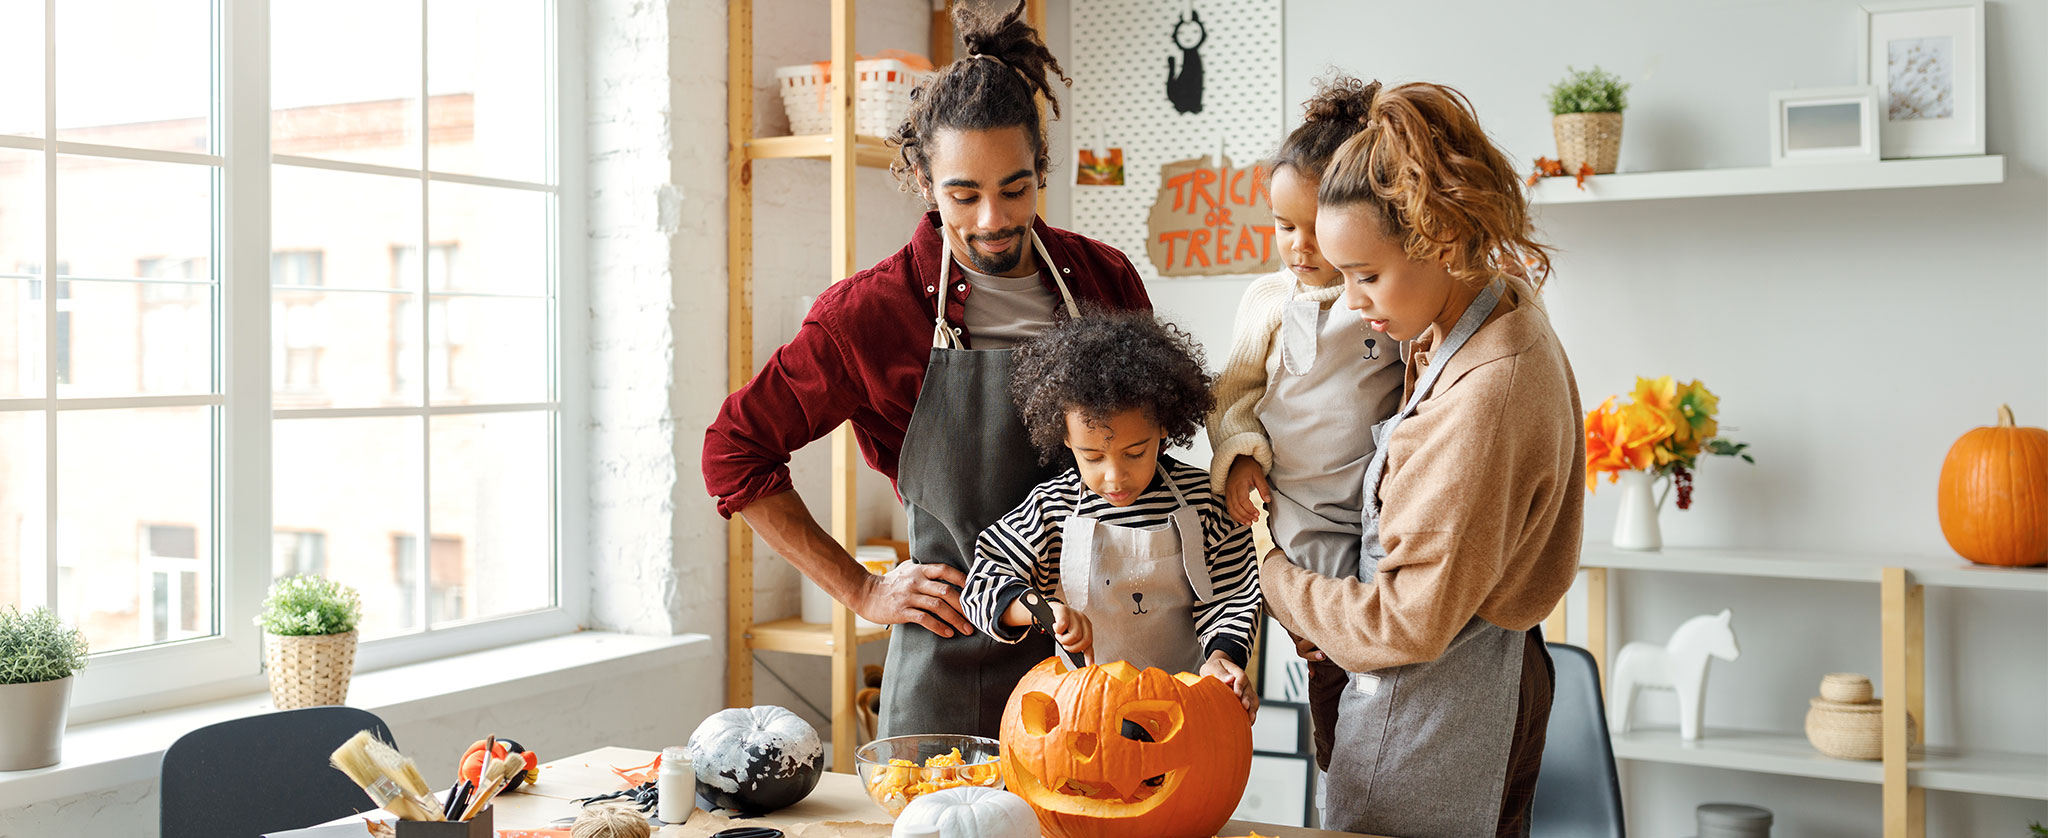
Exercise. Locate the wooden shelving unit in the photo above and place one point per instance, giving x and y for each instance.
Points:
(845, 150)
(794, 635)
(841, 640)
(1907, 769)
(1772, 180)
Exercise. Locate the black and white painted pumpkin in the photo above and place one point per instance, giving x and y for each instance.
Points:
(755, 760)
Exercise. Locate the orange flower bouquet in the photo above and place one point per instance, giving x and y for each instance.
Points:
(1663, 429)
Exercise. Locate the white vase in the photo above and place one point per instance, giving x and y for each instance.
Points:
(1635, 524)
(32, 723)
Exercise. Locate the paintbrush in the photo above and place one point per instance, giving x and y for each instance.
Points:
(382, 779)
(399, 766)
(484, 767)
(490, 784)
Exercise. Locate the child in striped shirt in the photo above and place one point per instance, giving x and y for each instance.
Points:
(1139, 559)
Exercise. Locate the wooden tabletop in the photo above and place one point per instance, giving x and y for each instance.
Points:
(839, 797)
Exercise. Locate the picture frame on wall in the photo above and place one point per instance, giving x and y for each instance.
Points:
(1824, 125)
(1926, 59)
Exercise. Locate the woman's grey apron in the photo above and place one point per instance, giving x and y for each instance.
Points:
(966, 461)
(1138, 585)
(1422, 749)
(1317, 415)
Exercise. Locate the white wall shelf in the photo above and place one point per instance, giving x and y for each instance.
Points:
(1938, 571)
(1906, 772)
(1742, 750)
(1772, 180)
(1998, 773)
(1975, 772)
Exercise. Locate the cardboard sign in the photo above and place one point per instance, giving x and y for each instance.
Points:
(1210, 220)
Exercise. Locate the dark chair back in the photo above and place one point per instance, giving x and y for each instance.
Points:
(1578, 793)
(247, 777)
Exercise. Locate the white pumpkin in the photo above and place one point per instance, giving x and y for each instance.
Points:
(967, 812)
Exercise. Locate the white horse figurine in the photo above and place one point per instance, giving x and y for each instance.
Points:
(1680, 665)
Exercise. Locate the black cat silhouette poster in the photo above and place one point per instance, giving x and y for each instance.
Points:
(1184, 77)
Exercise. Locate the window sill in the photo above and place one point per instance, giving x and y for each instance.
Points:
(109, 754)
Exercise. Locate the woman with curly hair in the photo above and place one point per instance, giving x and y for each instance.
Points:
(1140, 560)
(1473, 506)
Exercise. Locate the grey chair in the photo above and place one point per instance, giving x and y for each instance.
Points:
(269, 773)
(1578, 793)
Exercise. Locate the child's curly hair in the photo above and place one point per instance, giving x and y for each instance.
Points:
(1103, 363)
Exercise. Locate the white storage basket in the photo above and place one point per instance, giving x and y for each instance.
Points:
(881, 96)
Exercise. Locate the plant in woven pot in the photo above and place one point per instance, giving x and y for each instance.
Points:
(309, 640)
(38, 656)
(1586, 118)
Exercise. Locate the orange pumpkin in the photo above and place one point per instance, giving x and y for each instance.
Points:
(1994, 494)
(1113, 750)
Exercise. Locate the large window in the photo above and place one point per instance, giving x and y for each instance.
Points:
(155, 475)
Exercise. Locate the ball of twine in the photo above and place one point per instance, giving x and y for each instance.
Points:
(612, 821)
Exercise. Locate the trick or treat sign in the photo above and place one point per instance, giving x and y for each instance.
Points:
(1210, 219)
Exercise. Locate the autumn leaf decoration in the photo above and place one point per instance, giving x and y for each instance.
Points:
(1547, 167)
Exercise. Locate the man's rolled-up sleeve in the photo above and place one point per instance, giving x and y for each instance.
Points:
(806, 389)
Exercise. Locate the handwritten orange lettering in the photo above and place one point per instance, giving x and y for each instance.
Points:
(1197, 248)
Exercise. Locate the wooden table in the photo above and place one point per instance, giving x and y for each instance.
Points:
(839, 797)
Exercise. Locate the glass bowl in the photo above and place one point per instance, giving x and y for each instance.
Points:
(895, 771)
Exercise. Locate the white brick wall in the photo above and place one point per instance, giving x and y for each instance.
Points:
(656, 236)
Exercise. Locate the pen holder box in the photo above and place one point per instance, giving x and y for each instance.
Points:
(476, 827)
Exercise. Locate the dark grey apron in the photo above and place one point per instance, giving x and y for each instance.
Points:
(1422, 749)
(966, 462)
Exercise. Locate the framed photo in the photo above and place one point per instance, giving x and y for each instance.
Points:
(1926, 60)
(1824, 125)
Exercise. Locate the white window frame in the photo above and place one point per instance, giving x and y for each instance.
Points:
(229, 663)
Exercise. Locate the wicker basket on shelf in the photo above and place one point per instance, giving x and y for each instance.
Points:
(1845, 722)
(882, 89)
(1593, 138)
(309, 670)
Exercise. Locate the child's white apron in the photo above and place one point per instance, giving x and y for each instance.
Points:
(1138, 585)
(1336, 379)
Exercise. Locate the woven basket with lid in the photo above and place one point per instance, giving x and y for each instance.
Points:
(1845, 722)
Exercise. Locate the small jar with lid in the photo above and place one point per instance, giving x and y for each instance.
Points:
(1733, 820)
(675, 786)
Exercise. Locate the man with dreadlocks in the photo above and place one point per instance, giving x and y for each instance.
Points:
(915, 352)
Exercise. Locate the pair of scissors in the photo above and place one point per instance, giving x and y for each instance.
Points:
(1041, 611)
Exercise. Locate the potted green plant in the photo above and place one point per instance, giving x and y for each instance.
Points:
(1586, 118)
(309, 640)
(38, 657)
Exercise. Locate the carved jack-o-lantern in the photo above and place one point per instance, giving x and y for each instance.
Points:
(1113, 750)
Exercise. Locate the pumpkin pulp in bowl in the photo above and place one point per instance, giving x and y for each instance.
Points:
(900, 769)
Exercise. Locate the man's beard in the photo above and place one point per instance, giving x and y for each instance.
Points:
(999, 263)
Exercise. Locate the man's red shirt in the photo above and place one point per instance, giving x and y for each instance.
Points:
(861, 356)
